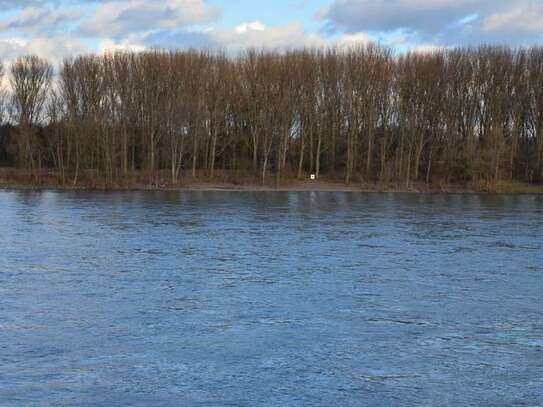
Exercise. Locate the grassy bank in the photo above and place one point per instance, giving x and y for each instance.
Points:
(15, 178)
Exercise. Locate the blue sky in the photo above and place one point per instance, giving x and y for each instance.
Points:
(59, 28)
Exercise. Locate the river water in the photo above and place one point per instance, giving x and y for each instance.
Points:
(272, 299)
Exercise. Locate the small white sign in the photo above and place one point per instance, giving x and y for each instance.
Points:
(313, 177)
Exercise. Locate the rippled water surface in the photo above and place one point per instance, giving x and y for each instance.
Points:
(279, 299)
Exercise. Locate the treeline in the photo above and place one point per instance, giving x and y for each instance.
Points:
(362, 115)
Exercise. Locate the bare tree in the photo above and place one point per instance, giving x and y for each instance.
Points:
(30, 82)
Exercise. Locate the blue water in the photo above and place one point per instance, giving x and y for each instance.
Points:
(270, 299)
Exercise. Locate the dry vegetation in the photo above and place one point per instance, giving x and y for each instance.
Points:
(465, 119)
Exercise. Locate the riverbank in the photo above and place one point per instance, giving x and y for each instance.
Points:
(223, 182)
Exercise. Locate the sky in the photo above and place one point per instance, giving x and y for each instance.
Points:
(59, 28)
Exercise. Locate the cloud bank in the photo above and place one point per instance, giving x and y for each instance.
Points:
(57, 28)
(441, 22)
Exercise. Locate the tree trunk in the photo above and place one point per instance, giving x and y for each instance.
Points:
(301, 160)
(318, 157)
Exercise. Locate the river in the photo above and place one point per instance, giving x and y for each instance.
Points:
(270, 298)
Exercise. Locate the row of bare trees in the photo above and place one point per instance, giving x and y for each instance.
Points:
(362, 114)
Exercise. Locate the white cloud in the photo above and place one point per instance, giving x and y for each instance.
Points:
(253, 34)
(256, 34)
(524, 18)
(428, 48)
(389, 15)
(110, 46)
(40, 20)
(356, 38)
(55, 48)
(450, 22)
(121, 18)
(15, 4)
(255, 26)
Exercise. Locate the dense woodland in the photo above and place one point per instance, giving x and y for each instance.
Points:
(360, 115)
